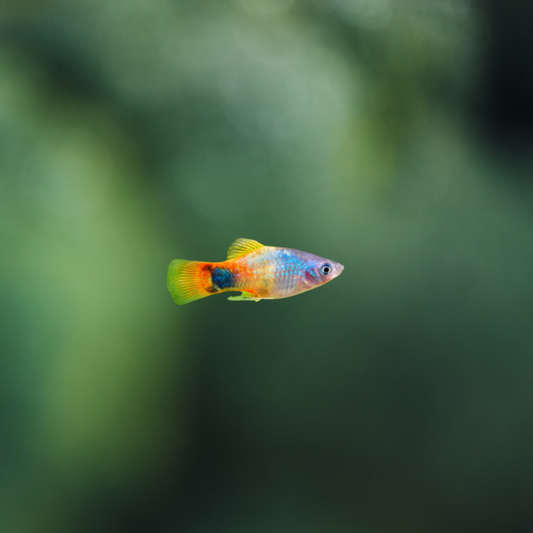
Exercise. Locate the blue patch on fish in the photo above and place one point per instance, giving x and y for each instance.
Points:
(222, 278)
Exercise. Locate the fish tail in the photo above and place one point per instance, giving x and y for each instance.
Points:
(189, 280)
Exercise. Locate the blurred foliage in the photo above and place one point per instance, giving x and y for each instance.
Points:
(393, 137)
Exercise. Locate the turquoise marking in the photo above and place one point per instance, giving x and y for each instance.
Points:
(222, 278)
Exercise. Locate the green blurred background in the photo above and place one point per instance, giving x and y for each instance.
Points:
(392, 136)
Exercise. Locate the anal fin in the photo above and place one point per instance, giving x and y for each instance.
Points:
(244, 297)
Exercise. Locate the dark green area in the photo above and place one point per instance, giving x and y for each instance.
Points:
(394, 137)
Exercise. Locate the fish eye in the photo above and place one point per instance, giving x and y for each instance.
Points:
(325, 269)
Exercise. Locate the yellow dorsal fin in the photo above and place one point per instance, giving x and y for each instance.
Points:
(242, 247)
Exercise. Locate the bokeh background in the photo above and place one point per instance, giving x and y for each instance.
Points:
(393, 136)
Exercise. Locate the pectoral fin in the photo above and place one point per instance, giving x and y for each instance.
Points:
(244, 297)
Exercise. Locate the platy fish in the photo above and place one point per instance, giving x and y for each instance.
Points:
(260, 272)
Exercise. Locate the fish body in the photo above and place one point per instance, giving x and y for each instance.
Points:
(259, 272)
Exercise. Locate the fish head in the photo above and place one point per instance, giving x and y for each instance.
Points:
(320, 270)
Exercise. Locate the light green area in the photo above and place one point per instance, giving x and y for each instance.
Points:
(244, 297)
(93, 352)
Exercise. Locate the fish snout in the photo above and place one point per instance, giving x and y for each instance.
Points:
(337, 269)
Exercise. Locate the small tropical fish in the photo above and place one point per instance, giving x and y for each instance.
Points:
(260, 272)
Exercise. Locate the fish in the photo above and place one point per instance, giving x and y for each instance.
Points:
(259, 272)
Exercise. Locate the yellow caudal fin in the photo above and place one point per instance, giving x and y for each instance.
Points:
(189, 280)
